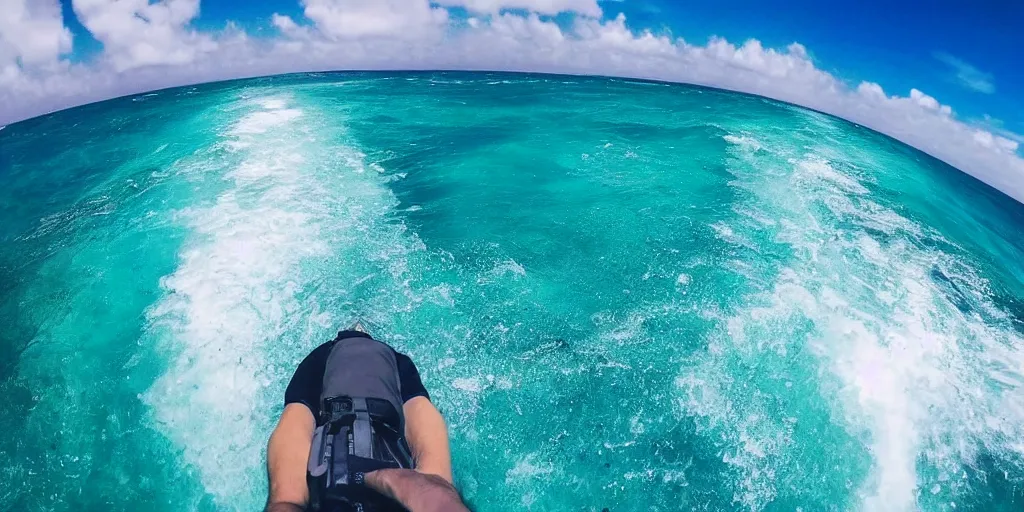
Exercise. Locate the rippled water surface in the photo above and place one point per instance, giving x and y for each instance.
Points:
(622, 295)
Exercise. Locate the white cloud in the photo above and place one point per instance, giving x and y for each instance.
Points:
(137, 33)
(354, 19)
(967, 75)
(548, 7)
(412, 34)
(997, 127)
(32, 34)
(284, 23)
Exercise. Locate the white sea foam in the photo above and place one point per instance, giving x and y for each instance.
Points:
(241, 287)
(915, 364)
(508, 267)
(232, 290)
(817, 172)
(914, 371)
(469, 385)
(528, 467)
(757, 442)
(683, 279)
(744, 141)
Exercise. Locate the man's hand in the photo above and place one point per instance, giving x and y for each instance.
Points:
(416, 491)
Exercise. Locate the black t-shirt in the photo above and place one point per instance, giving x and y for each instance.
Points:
(307, 382)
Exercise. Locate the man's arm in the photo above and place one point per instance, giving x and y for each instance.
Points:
(287, 456)
(427, 435)
(416, 491)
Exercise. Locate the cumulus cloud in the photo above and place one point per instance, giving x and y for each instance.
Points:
(354, 19)
(152, 45)
(33, 43)
(998, 127)
(548, 7)
(137, 33)
(967, 75)
(32, 33)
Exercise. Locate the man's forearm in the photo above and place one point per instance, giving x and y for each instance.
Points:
(428, 437)
(416, 491)
(284, 507)
(287, 456)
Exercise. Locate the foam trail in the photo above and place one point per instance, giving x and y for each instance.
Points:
(917, 365)
(914, 364)
(231, 291)
(245, 287)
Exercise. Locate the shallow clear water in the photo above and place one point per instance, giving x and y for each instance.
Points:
(621, 294)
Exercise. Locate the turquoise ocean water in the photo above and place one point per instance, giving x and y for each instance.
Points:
(622, 295)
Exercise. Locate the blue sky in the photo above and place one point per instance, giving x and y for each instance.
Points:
(893, 43)
(899, 45)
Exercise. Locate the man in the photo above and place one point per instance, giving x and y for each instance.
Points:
(356, 365)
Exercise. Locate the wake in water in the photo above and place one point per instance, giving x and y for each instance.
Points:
(914, 359)
(299, 212)
(620, 297)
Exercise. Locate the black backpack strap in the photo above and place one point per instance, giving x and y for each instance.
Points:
(362, 432)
